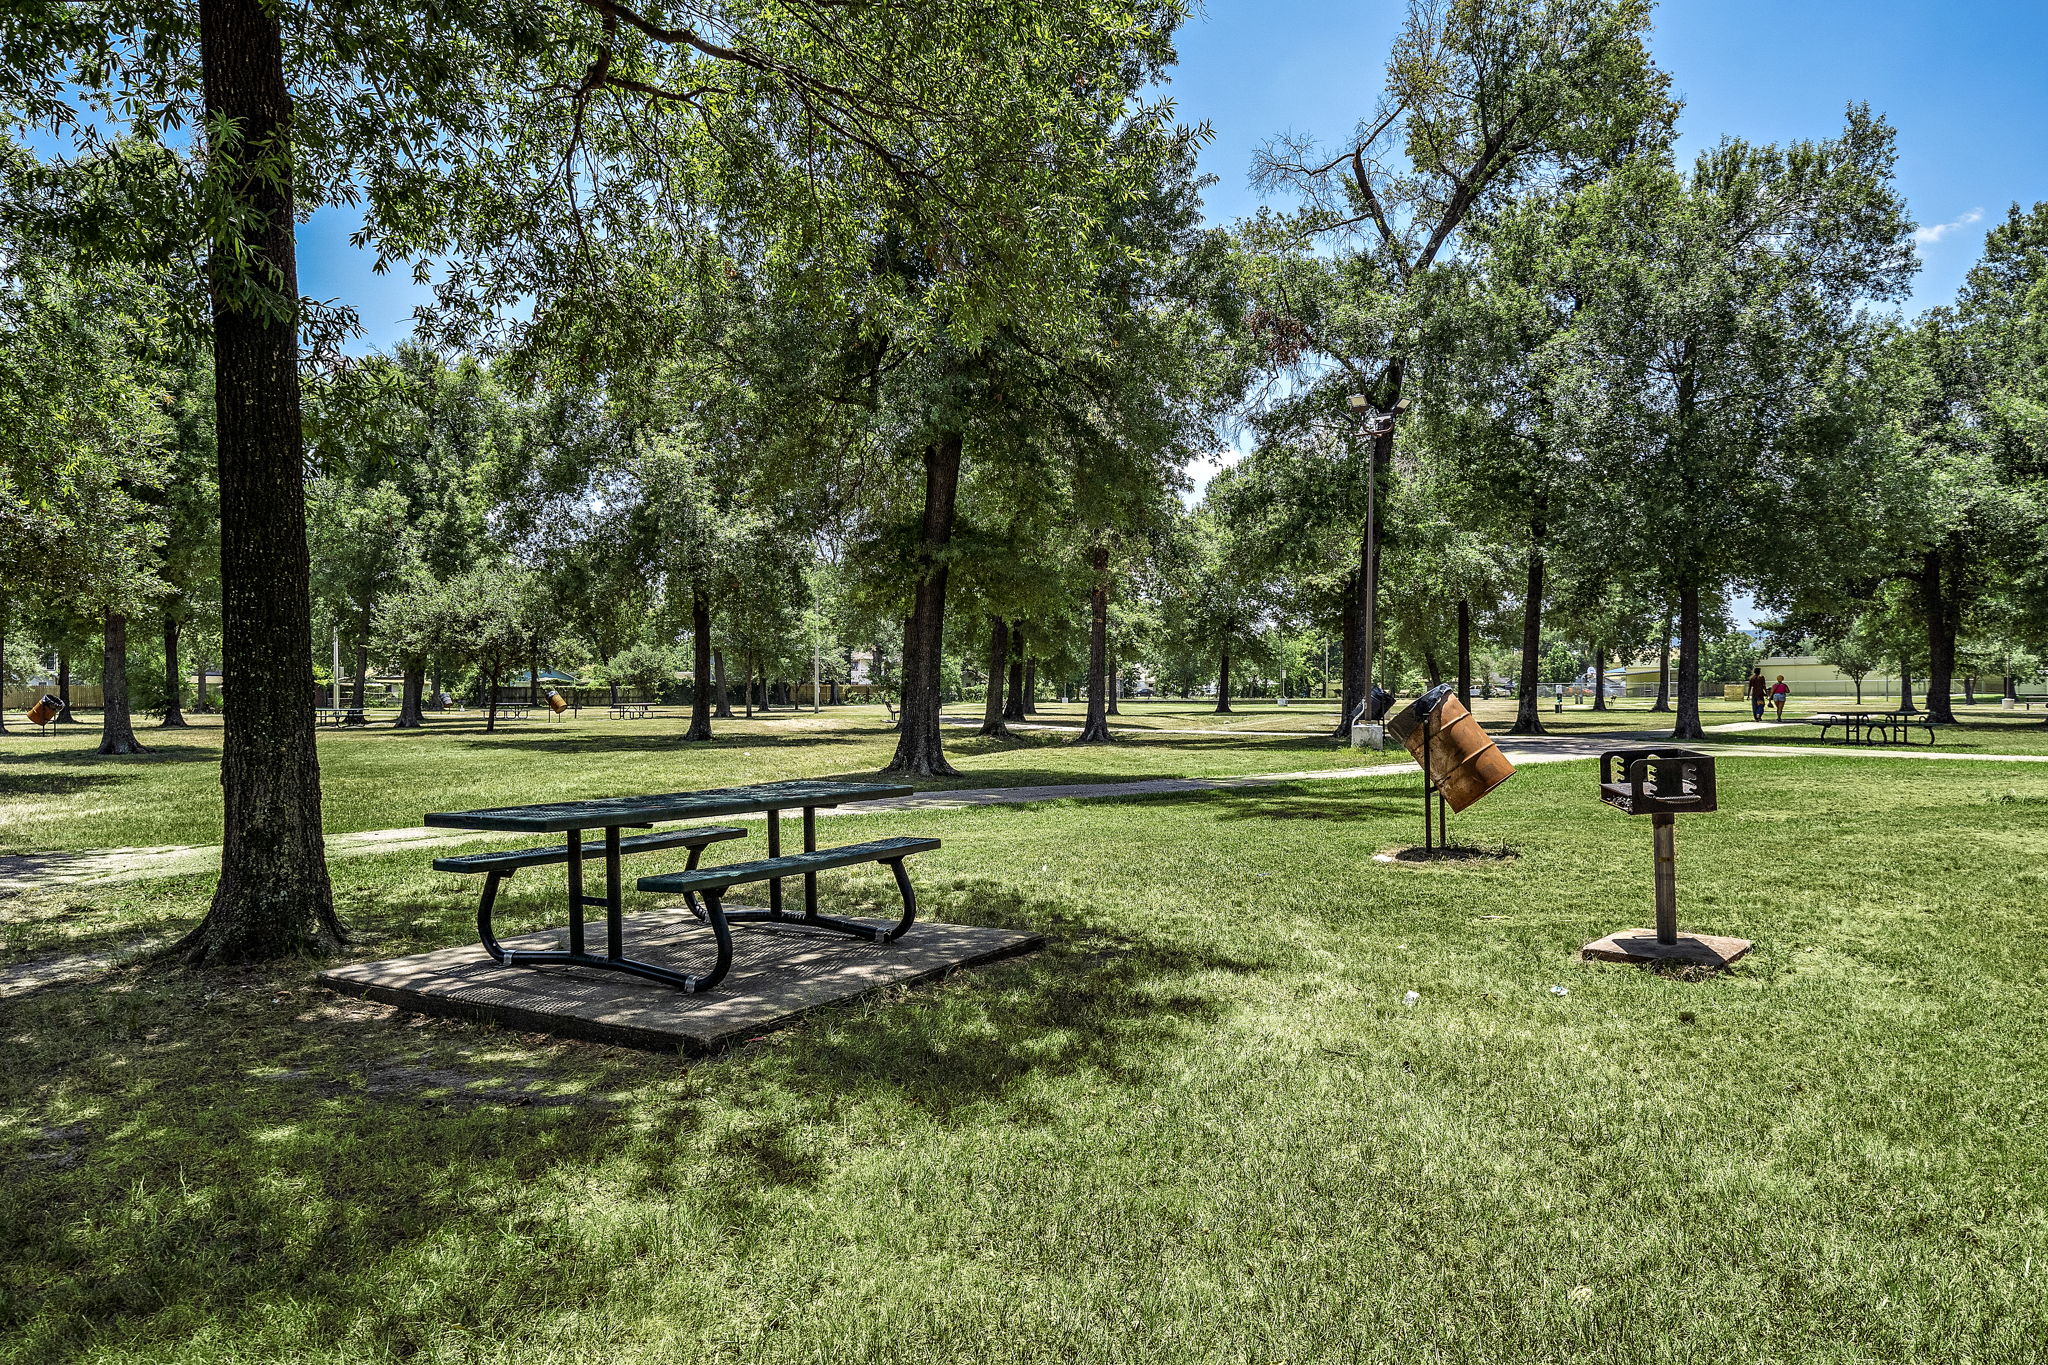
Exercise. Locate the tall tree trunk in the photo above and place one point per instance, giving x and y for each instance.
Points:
(1688, 726)
(1938, 607)
(920, 748)
(1114, 689)
(361, 679)
(2012, 687)
(533, 669)
(1431, 665)
(1013, 708)
(1528, 718)
(493, 670)
(433, 687)
(3, 670)
(414, 669)
(1030, 687)
(1600, 677)
(1350, 695)
(700, 666)
(1465, 653)
(273, 897)
(767, 702)
(721, 697)
(1906, 687)
(117, 726)
(998, 655)
(1223, 682)
(64, 716)
(174, 686)
(1095, 730)
(1663, 702)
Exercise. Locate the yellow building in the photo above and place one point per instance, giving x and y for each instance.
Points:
(1809, 677)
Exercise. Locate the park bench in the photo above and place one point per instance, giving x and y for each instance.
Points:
(497, 866)
(711, 883)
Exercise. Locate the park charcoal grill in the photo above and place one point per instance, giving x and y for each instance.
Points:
(1657, 781)
(1662, 783)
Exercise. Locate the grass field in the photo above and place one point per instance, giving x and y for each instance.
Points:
(1201, 1126)
(56, 792)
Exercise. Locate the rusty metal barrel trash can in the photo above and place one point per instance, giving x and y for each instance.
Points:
(556, 703)
(44, 711)
(1463, 760)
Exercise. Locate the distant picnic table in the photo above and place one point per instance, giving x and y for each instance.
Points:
(630, 710)
(1870, 725)
(703, 889)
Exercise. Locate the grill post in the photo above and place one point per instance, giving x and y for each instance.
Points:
(1663, 840)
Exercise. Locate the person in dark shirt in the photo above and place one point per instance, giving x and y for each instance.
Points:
(1759, 690)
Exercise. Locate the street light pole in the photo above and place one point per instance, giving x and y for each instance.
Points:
(1373, 424)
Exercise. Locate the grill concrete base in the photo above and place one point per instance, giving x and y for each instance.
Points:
(1641, 946)
(777, 974)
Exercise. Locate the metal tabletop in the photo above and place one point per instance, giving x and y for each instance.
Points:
(617, 811)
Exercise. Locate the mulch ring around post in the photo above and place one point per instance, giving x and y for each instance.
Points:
(1415, 855)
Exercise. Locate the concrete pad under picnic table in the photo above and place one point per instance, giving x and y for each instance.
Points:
(778, 973)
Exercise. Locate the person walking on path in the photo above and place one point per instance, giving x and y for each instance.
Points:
(1757, 690)
(1778, 694)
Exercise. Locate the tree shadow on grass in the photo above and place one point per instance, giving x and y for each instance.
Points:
(91, 758)
(17, 784)
(190, 1147)
(572, 742)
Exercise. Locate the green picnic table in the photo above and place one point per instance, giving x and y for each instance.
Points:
(702, 889)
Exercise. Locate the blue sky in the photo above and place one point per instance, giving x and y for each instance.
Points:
(1964, 83)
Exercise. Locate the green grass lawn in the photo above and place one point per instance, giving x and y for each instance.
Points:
(1201, 1126)
(57, 792)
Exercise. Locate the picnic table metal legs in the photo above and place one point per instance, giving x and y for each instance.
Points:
(613, 901)
(811, 919)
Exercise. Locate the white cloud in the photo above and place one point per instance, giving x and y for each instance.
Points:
(1940, 230)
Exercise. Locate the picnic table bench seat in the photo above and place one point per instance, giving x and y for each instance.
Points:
(711, 883)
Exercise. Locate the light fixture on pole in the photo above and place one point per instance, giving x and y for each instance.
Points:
(1366, 732)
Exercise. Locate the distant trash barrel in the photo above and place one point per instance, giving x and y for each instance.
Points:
(1463, 759)
(44, 711)
(556, 704)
